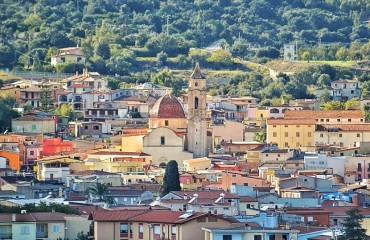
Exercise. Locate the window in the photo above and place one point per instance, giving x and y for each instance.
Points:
(196, 102)
(274, 134)
(286, 144)
(272, 237)
(309, 134)
(166, 122)
(233, 175)
(274, 110)
(163, 140)
(141, 231)
(297, 144)
(95, 127)
(274, 126)
(340, 135)
(286, 134)
(56, 228)
(157, 229)
(358, 135)
(86, 127)
(297, 134)
(327, 120)
(173, 230)
(267, 155)
(201, 219)
(227, 237)
(32, 153)
(286, 125)
(213, 218)
(321, 120)
(33, 127)
(123, 228)
(349, 120)
(338, 120)
(257, 237)
(25, 230)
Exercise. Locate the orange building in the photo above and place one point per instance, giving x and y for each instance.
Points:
(13, 158)
(241, 178)
(54, 146)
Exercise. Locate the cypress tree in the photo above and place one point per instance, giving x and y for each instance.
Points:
(171, 179)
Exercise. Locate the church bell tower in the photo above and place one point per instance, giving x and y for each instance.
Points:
(197, 116)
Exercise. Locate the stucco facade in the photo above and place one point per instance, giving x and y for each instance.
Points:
(164, 145)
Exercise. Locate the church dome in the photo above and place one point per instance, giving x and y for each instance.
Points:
(167, 106)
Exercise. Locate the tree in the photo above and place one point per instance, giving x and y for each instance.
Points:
(6, 113)
(171, 179)
(333, 105)
(37, 65)
(306, 56)
(162, 59)
(221, 57)
(260, 136)
(325, 96)
(103, 50)
(324, 80)
(46, 99)
(353, 104)
(82, 236)
(100, 190)
(352, 229)
(341, 54)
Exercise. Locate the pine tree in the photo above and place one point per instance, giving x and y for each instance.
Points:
(171, 179)
(352, 229)
(46, 99)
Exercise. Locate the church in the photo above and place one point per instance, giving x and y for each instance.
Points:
(176, 133)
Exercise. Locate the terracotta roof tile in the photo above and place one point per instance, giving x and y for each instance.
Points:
(311, 114)
(291, 121)
(167, 106)
(48, 216)
(345, 127)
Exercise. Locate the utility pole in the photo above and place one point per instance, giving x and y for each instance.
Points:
(168, 31)
(78, 5)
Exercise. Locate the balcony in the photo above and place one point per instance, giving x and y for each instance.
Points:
(6, 236)
(359, 169)
(41, 235)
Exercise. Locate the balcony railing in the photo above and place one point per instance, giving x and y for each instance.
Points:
(6, 236)
(41, 235)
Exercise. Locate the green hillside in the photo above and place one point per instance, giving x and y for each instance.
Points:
(113, 33)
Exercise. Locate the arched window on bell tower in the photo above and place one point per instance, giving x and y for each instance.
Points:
(196, 102)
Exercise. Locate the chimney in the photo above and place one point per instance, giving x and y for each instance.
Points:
(14, 217)
(185, 196)
(247, 227)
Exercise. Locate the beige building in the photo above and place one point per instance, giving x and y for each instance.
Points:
(33, 124)
(270, 155)
(342, 135)
(328, 116)
(70, 54)
(154, 224)
(163, 144)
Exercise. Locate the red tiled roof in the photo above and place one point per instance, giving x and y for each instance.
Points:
(311, 114)
(345, 127)
(7, 217)
(291, 121)
(167, 106)
(120, 153)
(341, 210)
(108, 216)
(248, 199)
(48, 216)
(213, 194)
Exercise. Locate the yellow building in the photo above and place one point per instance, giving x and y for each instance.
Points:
(256, 116)
(291, 133)
(197, 164)
(70, 54)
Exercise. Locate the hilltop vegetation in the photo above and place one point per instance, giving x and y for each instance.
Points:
(157, 40)
(114, 33)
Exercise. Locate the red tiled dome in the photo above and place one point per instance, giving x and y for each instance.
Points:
(167, 106)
